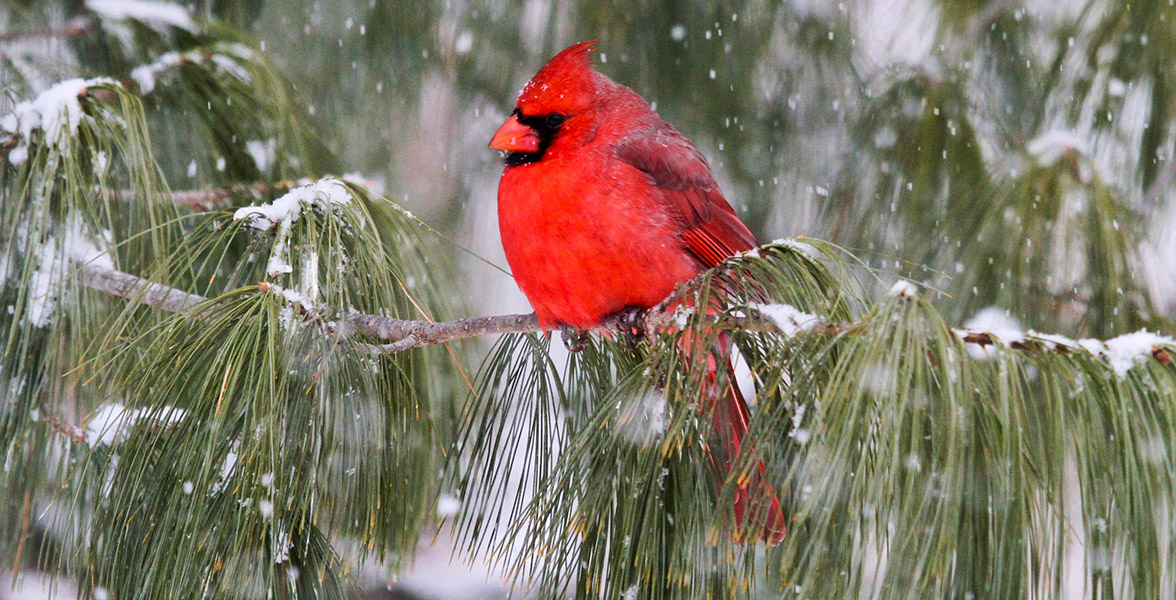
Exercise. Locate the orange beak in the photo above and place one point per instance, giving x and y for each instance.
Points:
(513, 136)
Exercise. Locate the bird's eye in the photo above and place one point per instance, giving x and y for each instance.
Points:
(555, 120)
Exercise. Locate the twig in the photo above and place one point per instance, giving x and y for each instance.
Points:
(209, 199)
(62, 427)
(74, 28)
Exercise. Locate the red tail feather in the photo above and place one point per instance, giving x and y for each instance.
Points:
(755, 501)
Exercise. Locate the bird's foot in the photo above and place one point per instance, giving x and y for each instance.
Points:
(574, 340)
(632, 320)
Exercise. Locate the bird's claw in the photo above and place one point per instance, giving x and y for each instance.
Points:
(633, 322)
(574, 340)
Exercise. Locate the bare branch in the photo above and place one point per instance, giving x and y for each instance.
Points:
(125, 285)
(61, 427)
(412, 334)
(76, 27)
(405, 334)
(213, 198)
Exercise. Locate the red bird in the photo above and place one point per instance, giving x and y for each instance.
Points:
(604, 206)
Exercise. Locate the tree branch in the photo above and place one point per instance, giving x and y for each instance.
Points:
(405, 334)
(125, 285)
(74, 28)
(209, 199)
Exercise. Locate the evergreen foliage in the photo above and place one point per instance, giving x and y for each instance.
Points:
(191, 404)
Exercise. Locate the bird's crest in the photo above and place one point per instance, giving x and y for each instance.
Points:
(565, 83)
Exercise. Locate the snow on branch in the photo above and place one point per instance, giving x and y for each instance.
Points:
(405, 334)
(213, 198)
(56, 112)
(154, 14)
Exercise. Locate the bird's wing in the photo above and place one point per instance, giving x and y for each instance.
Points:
(710, 230)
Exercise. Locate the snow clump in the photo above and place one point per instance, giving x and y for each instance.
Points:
(903, 288)
(113, 422)
(1132, 349)
(56, 112)
(53, 258)
(322, 194)
(1052, 145)
(157, 15)
(787, 318)
(996, 322)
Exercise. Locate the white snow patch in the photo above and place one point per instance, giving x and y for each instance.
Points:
(228, 63)
(787, 318)
(266, 508)
(642, 420)
(886, 137)
(1093, 346)
(804, 248)
(282, 549)
(1052, 341)
(113, 422)
(145, 75)
(465, 42)
(149, 12)
(888, 31)
(109, 425)
(228, 468)
(903, 288)
(101, 161)
(447, 506)
(286, 209)
(1052, 145)
(56, 112)
(1129, 350)
(996, 322)
(262, 153)
(53, 263)
(222, 56)
(630, 593)
(322, 193)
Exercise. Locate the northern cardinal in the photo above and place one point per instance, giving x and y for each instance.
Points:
(602, 207)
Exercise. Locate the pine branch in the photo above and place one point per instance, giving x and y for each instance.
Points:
(125, 285)
(61, 426)
(74, 28)
(406, 334)
(209, 199)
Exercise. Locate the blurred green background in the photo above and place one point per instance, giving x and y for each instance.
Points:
(1016, 156)
(1011, 154)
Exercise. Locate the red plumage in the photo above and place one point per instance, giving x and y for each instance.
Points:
(603, 206)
